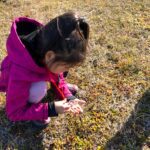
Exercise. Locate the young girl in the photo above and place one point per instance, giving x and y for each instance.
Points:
(39, 54)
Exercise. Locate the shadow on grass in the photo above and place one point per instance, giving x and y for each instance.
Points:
(20, 135)
(136, 131)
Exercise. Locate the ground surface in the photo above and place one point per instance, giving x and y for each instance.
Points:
(114, 80)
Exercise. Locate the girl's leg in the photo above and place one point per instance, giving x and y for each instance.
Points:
(72, 87)
(37, 91)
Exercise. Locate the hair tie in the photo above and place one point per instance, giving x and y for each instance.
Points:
(58, 28)
(79, 29)
(78, 20)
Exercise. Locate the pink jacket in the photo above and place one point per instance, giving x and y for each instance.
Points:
(18, 71)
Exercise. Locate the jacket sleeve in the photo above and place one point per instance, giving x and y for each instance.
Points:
(17, 106)
(63, 86)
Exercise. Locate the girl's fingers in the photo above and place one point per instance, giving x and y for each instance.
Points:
(67, 109)
(74, 106)
(73, 110)
(77, 101)
(77, 109)
(81, 102)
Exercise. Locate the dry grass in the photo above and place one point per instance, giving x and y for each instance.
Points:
(114, 79)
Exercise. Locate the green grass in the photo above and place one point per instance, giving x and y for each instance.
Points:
(115, 79)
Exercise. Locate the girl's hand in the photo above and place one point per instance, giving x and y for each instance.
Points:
(78, 101)
(61, 106)
(71, 106)
(76, 106)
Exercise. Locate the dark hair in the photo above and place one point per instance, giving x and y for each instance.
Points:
(66, 35)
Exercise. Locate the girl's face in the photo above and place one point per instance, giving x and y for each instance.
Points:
(58, 67)
(55, 67)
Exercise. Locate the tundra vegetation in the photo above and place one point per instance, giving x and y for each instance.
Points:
(114, 80)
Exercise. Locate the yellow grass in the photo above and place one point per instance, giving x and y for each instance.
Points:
(115, 79)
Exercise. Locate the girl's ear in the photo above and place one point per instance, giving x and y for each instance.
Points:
(49, 57)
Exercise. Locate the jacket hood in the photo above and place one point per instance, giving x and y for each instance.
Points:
(17, 51)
